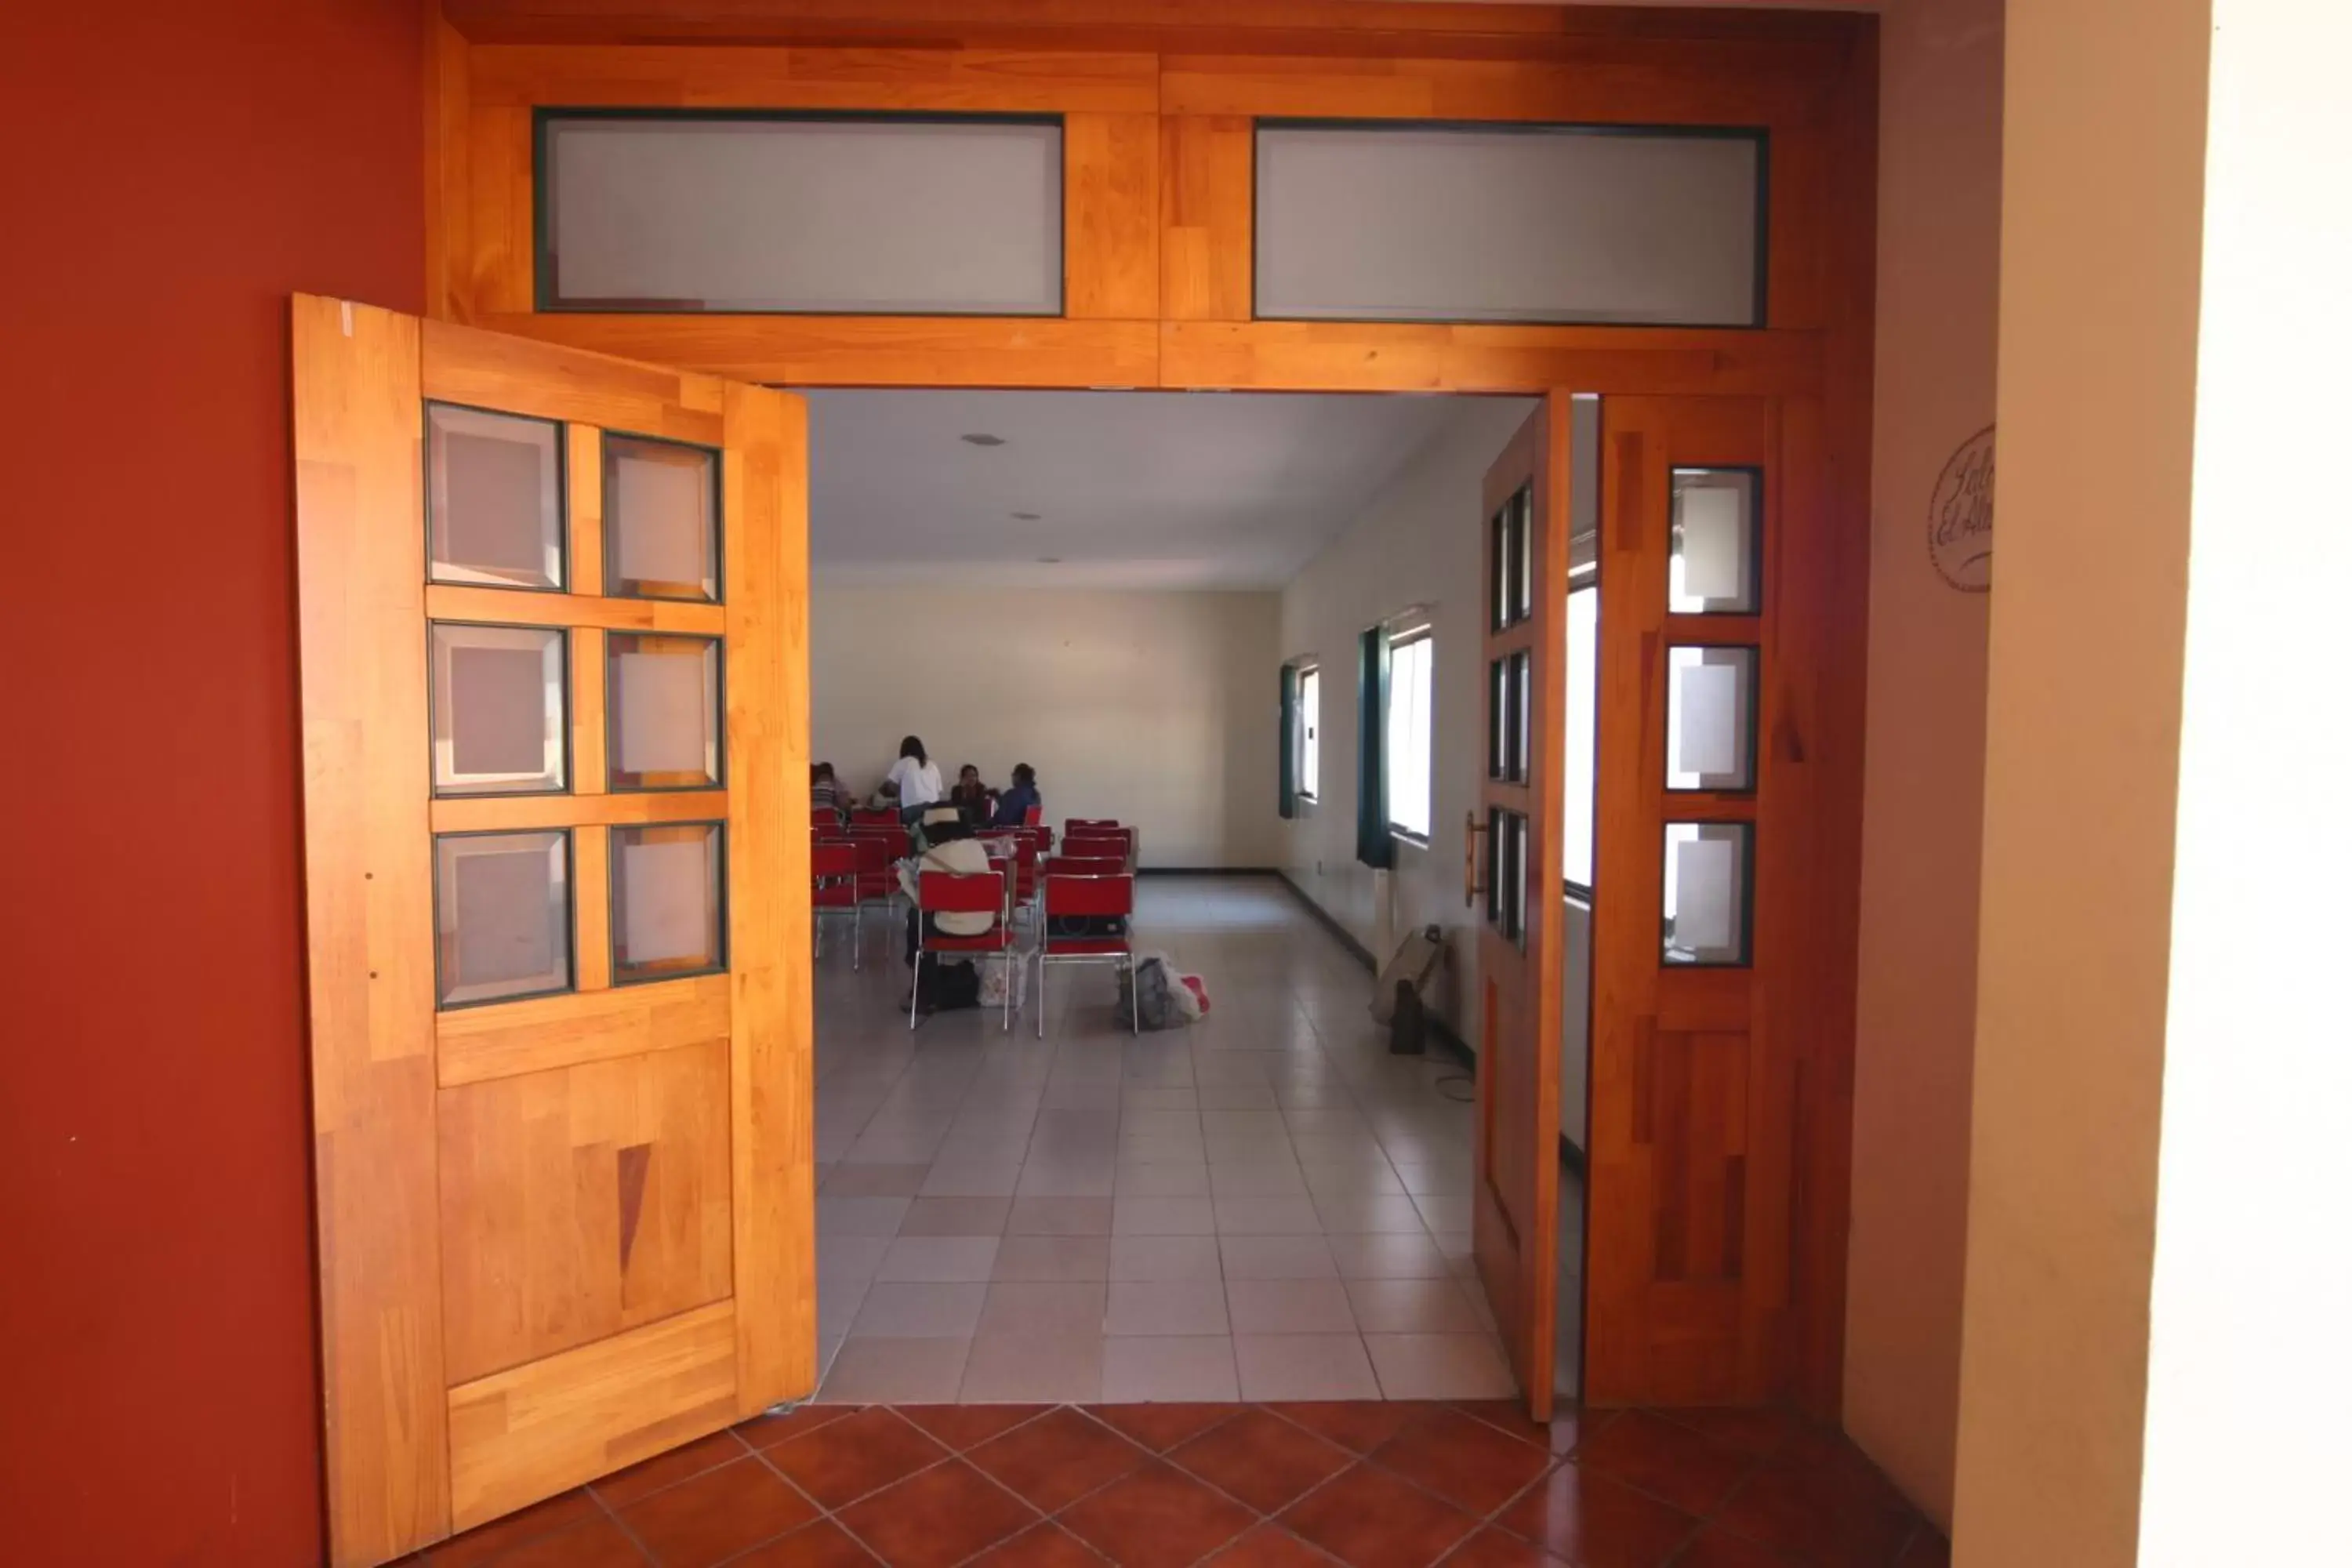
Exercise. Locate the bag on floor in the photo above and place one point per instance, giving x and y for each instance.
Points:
(1191, 995)
(1147, 997)
(1070, 928)
(1418, 962)
(996, 974)
(944, 987)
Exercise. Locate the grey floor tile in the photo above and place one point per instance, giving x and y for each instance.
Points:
(1439, 1366)
(1303, 1366)
(1060, 1216)
(1053, 1258)
(1163, 1217)
(1180, 1179)
(1033, 1369)
(1289, 1307)
(1033, 1307)
(956, 1216)
(860, 1216)
(896, 1372)
(938, 1258)
(1277, 1258)
(1265, 1217)
(1166, 1307)
(1415, 1307)
(919, 1309)
(1151, 1368)
(1145, 1258)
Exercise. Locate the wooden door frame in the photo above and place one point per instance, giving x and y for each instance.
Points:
(1157, 98)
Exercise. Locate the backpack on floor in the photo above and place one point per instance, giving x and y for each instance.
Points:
(1147, 998)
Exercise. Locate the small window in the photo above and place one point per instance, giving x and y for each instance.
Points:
(1310, 722)
(1578, 760)
(1411, 664)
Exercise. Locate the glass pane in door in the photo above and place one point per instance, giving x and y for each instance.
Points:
(1707, 892)
(1710, 718)
(661, 520)
(497, 709)
(502, 915)
(493, 499)
(1714, 569)
(662, 723)
(668, 901)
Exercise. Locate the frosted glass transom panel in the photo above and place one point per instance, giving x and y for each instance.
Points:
(1713, 570)
(662, 712)
(661, 520)
(493, 499)
(497, 709)
(1710, 718)
(1707, 904)
(893, 216)
(1539, 223)
(668, 909)
(502, 905)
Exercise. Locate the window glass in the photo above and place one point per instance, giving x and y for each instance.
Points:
(1577, 755)
(1310, 750)
(1412, 666)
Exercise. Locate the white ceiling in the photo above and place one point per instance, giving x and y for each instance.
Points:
(1132, 489)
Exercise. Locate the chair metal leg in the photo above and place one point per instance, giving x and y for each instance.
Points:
(1041, 994)
(1134, 1002)
(914, 994)
(1005, 963)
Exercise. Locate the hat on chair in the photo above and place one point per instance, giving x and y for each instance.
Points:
(942, 817)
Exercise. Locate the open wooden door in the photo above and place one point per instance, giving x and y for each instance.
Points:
(1514, 848)
(554, 715)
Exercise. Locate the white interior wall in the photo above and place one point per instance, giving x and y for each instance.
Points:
(1418, 542)
(1158, 708)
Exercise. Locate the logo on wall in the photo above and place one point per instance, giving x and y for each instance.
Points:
(1960, 517)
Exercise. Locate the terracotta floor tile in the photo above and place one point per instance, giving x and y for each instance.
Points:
(714, 1516)
(625, 1487)
(1160, 1427)
(1492, 1548)
(961, 1427)
(820, 1545)
(1715, 1547)
(1568, 1426)
(599, 1543)
(1370, 1519)
(839, 1463)
(1057, 1458)
(1269, 1546)
(1358, 1425)
(1669, 1462)
(1753, 1432)
(1820, 1499)
(1157, 1518)
(767, 1431)
(1261, 1459)
(936, 1519)
(1046, 1546)
(1596, 1522)
(1463, 1460)
(481, 1545)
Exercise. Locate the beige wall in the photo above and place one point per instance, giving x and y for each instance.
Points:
(1939, 285)
(1417, 543)
(2102, 226)
(1156, 709)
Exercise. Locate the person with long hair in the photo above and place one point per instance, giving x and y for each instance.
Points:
(914, 782)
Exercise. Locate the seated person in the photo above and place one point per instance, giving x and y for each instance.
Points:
(825, 792)
(1014, 806)
(949, 847)
(973, 798)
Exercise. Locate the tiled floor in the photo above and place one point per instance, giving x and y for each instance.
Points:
(1266, 1205)
(1370, 1485)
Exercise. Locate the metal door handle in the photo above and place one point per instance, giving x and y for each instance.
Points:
(1471, 828)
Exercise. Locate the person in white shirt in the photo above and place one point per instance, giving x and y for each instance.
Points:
(914, 782)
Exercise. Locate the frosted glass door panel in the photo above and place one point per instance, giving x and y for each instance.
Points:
(1706, 893)
(494, 498)
(897, 217)
(503, 915)
(1710, 724)
(663, 729)
(1520, 224)
(497, 709)
(661, 520)
(668, 915)
(1713, 570)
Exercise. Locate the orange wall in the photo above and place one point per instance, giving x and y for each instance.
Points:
(2102, 214)
(1938, 306)
(172, 171)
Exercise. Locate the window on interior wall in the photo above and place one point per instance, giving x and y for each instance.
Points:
(1579, 729)
(1308, 739)
(1412, 670)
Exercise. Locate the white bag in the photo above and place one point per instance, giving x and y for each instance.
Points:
(994, 978)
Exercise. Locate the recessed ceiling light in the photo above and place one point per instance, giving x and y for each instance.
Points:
(982, 438)
(1049, 561)
(1028, 517)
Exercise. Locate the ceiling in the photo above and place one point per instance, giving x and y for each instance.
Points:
(1128, 489)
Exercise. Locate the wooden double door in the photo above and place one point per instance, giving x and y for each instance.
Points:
(1712, 834)
(554, 717)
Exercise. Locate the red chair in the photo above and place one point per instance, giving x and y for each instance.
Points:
(1073, 894)
(833, 868)
(1085, 866)
(1081, 824)
(1032, 816)
(884, 817)
(1095, 845)
(878, 884)
(961, 893)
